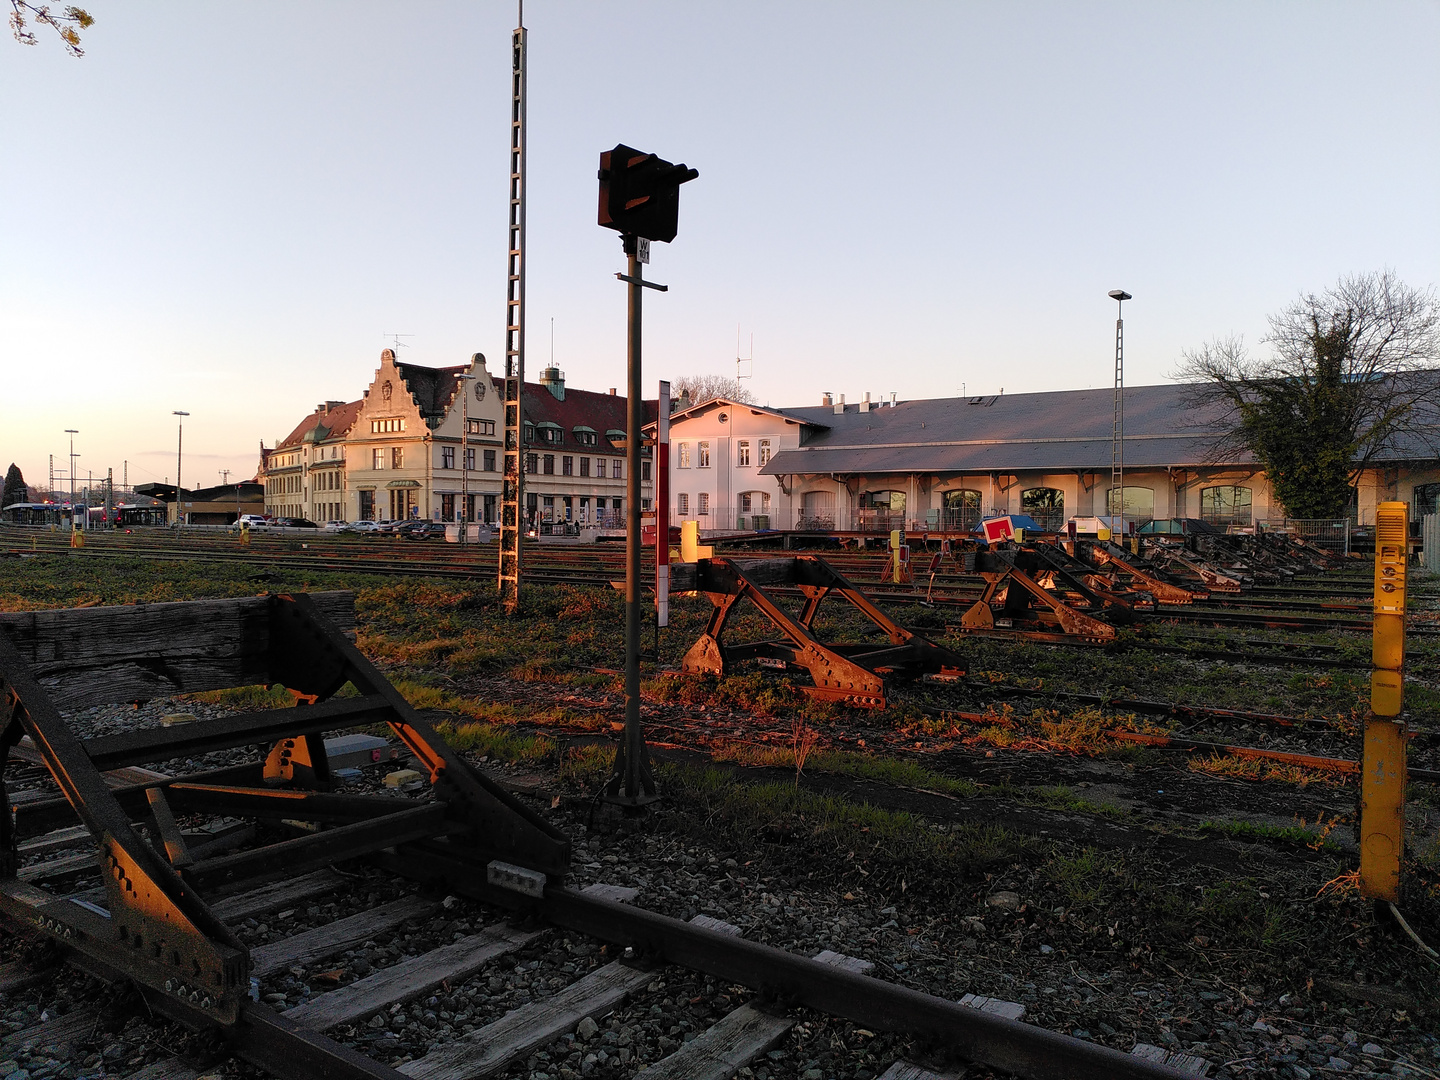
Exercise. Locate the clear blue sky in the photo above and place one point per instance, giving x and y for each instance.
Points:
(223, 207)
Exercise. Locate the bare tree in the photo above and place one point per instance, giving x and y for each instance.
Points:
(67, 22)
(706, 387)
(1349, 377)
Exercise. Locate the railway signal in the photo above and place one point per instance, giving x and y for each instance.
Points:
(640, 193)
(640, 199)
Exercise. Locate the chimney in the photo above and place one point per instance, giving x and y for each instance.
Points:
(321, 408)
(612, 391)
(892, 399)
(553, 379)
(826, 400)
(865, 402)
(333, 405)
(840, 405)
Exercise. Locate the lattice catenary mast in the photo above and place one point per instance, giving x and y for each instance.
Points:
(1117, 426)
(512, 507)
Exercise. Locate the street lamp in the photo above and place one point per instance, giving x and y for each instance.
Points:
(1117, 427)
(179, 445)
(72, 432)
(465, 379)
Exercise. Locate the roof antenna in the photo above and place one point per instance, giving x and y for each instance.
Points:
(398, 343)
(741, 360)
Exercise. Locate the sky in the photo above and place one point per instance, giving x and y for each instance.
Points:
(226, 208)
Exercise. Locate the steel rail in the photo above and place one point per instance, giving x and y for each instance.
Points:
(1023, 1049)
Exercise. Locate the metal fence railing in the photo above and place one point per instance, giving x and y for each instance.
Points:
(1430, 538)
(1330, 533)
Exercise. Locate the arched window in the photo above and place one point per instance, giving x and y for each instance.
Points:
(1138, 503)
(1425, 500)
(1225, 505)
(962, 509)
(1046, 505)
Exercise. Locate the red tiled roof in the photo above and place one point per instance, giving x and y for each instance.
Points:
(334, 421)
(581, 408)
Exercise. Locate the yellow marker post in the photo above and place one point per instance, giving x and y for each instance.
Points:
(244, 534)
(1382, 772)
(690, 549)
(77, 538)
(897, 538)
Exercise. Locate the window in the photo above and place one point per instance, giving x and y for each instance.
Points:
(1225, 505)
(469, 458)
(702, 455)
(704, 501)
(600, 467)
(532, 463)
(615, 468)
(961, 509)
(529, 432)
(549, 464)
(447, 457)
(682, 504)
(489, 460)
(645, 470)
(1139, 503)
(764, 452)
(584, 436)
(1046, 505)
(1424, 500)
(377, 458)
(380, 427)
(742, 452)
(684, 459)
(397, 457)
(567, 466)
(584, 466)
(480, 427)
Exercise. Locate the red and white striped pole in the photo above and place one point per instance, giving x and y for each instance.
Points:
(662, 507)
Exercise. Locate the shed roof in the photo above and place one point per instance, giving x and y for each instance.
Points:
(1058, 431)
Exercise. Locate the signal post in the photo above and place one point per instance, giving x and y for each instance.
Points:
(640, 199)
(1382, 766)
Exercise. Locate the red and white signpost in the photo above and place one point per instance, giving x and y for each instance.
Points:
(662, 507)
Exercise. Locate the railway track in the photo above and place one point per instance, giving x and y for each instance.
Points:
(168, 860)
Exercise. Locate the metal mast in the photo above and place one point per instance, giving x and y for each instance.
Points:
(1117, 425)
(512, 509)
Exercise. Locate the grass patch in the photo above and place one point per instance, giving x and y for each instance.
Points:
(854, 841)
(497, 742)
(1286, 835)
(1238, 768)
(899, 772)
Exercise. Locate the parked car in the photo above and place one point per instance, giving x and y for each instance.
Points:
(387, 528)
(335, 526)
(421, 530)
(255, 521)
(296, 523)
(363, 527)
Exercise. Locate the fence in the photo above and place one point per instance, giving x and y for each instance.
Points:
(1430, 538)
(1331, 533)
(720, 520)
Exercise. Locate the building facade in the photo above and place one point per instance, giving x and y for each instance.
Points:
(424, 443)
(946, 463)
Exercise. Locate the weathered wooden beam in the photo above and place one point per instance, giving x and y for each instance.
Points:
(84, 657)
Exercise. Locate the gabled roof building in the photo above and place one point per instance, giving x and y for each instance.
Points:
(424, 443)
(945, 463)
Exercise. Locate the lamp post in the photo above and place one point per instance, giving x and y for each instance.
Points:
(72, 432)
(179, 446)
(1117, 429)
(465, 380)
